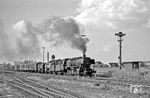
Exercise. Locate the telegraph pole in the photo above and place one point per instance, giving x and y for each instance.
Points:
(43, 53)
(120, 39)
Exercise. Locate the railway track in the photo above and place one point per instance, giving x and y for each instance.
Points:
(25, 90)
(44, 89)
(99, 80)
(35, 89)
(92, 79)
(123, 82)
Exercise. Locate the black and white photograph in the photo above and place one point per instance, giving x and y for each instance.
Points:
(74, 49)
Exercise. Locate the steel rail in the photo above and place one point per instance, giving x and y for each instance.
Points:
(42, 88)
(145, 84)
(28, 90)
(102, 80)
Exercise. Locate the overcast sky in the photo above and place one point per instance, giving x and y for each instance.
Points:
(101, 19)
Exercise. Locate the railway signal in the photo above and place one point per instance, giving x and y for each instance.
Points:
(120, 39)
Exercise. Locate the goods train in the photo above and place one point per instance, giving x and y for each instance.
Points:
(70, 66)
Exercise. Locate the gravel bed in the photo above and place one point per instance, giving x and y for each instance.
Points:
(7, 91)
(86, 89)
(81, 89)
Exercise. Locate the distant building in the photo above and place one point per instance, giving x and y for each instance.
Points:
(145, 64)
(134, 65)
(6, 66)
(24, 65)
(1, 66)
(113, 64)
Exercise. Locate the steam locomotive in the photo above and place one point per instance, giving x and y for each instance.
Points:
(70, 66)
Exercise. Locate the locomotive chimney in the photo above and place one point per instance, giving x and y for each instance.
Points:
(84, 55)
(47, 57)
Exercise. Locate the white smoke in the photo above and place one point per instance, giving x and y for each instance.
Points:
(20, 42)
(26, 39)
(5, 43)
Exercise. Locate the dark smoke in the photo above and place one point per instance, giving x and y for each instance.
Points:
(25, 38)
(59, 30)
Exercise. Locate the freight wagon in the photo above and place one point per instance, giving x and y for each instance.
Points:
(69, 66)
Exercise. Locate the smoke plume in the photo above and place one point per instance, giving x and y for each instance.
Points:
(61, 30)
(25, 38)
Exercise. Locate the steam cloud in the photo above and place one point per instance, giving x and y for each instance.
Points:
(21, 42)
(25, 38)
(5, 46)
